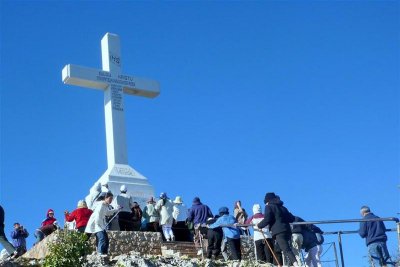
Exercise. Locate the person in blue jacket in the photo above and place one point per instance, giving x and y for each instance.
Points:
(231, 232)
(375, 236)
(19, 236)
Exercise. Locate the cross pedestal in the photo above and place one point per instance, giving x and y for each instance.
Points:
(114, 84)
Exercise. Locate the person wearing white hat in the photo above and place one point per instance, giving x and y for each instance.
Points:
(125, 215)
(180, 214)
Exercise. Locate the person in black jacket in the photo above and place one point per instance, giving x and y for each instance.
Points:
(312, 245)
(3, 239)
(214, 238)
(279, 218)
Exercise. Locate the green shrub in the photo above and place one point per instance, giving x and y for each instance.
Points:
(68, 250)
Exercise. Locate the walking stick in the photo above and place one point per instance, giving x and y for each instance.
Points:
(272, 251)
(113, 217)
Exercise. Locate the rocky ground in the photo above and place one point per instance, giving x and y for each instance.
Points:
(135, 260)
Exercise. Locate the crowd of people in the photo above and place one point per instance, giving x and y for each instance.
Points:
(277, 237)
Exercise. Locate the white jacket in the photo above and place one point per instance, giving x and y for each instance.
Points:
(165, 211)
(180, 212)
(123, 200)
(97, 221)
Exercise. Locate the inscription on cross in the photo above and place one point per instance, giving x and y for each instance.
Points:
(114, 84)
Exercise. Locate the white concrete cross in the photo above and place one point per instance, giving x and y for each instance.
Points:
(114, 84)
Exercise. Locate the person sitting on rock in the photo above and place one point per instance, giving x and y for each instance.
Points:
(48, 226)
(81, 216)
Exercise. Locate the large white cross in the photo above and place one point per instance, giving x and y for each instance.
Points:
(114, 84)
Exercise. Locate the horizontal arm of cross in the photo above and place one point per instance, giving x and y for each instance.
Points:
(99, 79)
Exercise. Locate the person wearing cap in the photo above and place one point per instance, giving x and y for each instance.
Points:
(81, 216)
(231, 232)
(47, 226)
(180, 214)
(19, 235)
(125, 215)
(97, 223)
(165, 207)
(3, 239)
(198, 214)
(151, 215)
(375, 236)
(279, 218)
(264, 251)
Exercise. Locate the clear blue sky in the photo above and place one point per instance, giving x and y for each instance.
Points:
(299, 98)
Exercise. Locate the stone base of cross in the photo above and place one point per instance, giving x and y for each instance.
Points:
(137, 185)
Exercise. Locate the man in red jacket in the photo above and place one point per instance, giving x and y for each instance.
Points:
(81, 216)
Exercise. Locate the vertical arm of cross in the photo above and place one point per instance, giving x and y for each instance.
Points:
(114, 103)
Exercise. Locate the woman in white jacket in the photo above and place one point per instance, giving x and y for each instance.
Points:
(97, 224)
(165, 207)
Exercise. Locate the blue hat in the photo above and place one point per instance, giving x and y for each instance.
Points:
(223, 210)
(163, 195)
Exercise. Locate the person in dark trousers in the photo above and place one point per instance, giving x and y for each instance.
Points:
(214, 237)
(263, 243)
(198, 214)
(136, 216)
(279, 218)
(19, 236)
(231, 232)
(375, 236)
(3, 239)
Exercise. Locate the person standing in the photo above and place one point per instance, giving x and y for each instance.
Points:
(231, 232)
(165, 207)
(311, 243)
(263, 243)
(19, 236)
(97, 224)
(241, 216)
(214, 239)
(198, 214)
(3, 239)
(279, 218)
(94, 193)
(151, 215)
(125, 215)
(136, 216)
(180, 214)
(375, 236)
(81, 216)
(297, 238)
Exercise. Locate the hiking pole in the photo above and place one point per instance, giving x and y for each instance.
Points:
(113, 217)
(266, 242)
